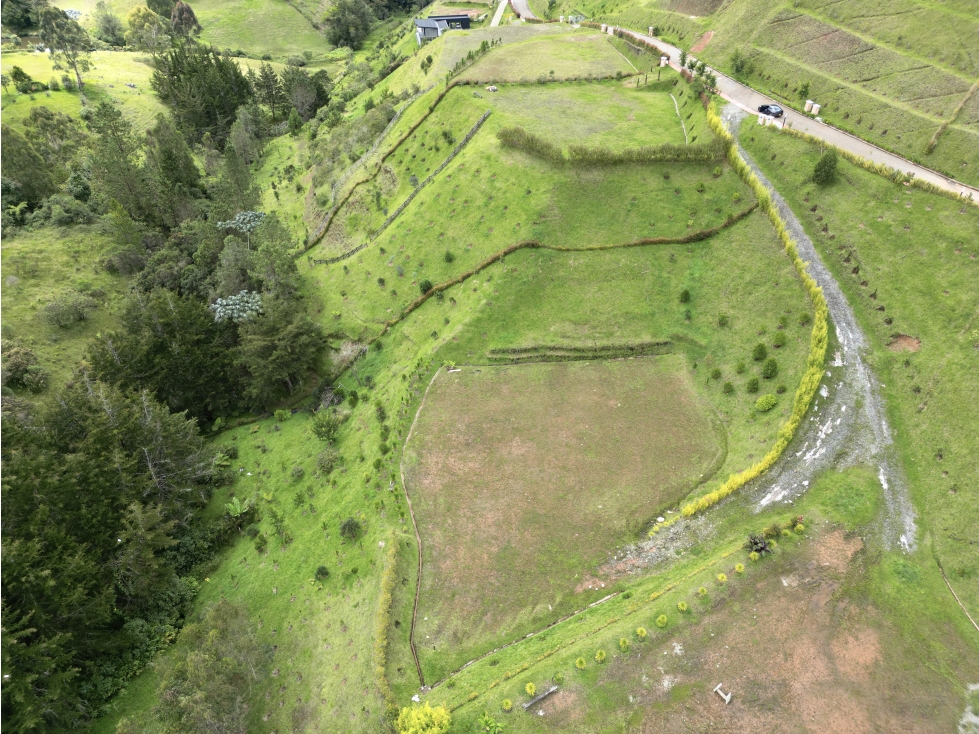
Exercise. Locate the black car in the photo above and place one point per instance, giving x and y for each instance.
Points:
(772, 110)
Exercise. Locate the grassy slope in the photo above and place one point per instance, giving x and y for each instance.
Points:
(112, 70)
(41, 265)
(901, 67)
(917, 251)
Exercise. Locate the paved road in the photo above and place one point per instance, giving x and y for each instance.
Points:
(749, 100)
(498, 16)
(522, 8)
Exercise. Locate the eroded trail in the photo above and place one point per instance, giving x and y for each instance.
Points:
(847, 425)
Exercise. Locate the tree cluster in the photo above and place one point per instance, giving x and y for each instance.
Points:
(101, 489)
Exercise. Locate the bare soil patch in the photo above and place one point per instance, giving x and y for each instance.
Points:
(798, 657)
(904, 343)
(524, 478)
(702, 42)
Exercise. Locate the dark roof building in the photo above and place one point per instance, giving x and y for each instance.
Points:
(433, 27)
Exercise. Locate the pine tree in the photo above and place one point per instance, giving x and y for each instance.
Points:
(115, 163)
(68, 42)
(170, 165)
(269, 89)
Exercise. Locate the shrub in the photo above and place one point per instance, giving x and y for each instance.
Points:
(531, 689)
(781, 389)
(715, 373)
(804, 319)
(558, 678)
(682, 607)
(381, 282)
(684, 296)
(325, 424)
(701, 187)
(641, 633)
(754, 556)
(740, 367)
(507, 705)
(765, 403)
(580, 663)
(296, 60)
(425, 286)
(327, 460)
(779, 340)
(800, 528)
(723, 320)
(350, 529)
(739, 567)
(759, 352)
(472, 696)
(68, 308)
(298, 472)
(261, 542)
(728, 388)
(282, 415)
(773, 544)
(786, 533)
(758, 543)
(624, 644)
(600, 656)
(230, 451)
(770, 369)
(702, 591)
(721, 578)
(425, 719)
(825, 171)
(752, 385)
(322, 573)
(449, 257)
(662, 620)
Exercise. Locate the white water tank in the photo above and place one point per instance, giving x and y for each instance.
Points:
(604, 28)
(808, 105)
(664, 60)
(815, 108)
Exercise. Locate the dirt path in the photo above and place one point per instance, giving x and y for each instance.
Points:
(749, 100)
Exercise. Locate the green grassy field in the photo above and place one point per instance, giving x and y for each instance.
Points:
(511, 514)
(256, 26)
(916, 252)
(579, 54)
(107, 80)
(39, 266)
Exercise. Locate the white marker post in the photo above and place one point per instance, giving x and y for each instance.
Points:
(722, 694)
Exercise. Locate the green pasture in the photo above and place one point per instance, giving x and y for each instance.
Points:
(523, 477)
(916, 252)
(42, 265)
(611, 114)
(255, 26)
(111, 71)
(580, 54)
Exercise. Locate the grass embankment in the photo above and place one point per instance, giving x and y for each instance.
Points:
(907, 262)
(523, 476)
(38, 267)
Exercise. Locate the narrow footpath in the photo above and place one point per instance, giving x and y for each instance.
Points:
(749, 100)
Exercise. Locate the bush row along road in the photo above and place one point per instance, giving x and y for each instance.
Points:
(749, 100)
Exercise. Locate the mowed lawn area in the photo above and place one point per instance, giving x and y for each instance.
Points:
(526, 477)
(610, 114)
(568, 55)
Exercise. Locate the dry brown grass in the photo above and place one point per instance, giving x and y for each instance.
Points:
(526, 477)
